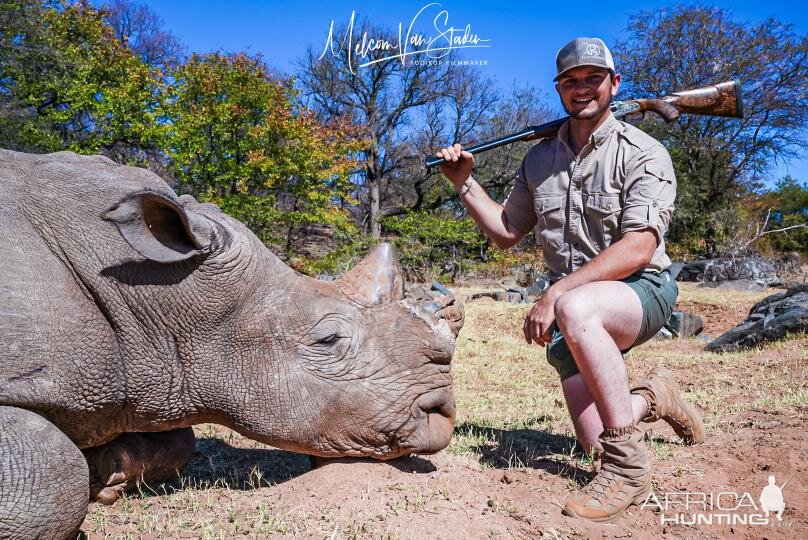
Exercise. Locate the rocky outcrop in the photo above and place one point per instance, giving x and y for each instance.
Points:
(743, 285)
(770, 319)
(513, 296)
(717, 270)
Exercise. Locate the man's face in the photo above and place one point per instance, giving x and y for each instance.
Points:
(587, 91)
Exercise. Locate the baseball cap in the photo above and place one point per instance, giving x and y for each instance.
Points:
(583, 51)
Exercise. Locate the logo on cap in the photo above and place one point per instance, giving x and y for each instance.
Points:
(592, 49)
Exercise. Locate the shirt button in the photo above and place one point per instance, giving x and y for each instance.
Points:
(609, 206)
(655, 204)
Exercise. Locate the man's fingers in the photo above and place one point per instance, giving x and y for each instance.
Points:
(453, 153)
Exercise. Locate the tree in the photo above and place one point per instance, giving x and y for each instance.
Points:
(68, 84)
(717, 160)
(239, 138)
(787, 212)
(383, 97)
(141, 30)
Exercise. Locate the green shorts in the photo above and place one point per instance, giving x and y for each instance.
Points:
(657, 294)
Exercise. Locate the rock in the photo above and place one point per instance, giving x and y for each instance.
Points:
(417, 293)
(521, 292)
(684, 325)
(480, 299)
(791, 261)
(726, 269)
(704, 338)
(525, 274)
(314, 241)
(663, 334)
(438, 286)
(500, 296)
(326, 277)
(746, 285)
(770, 319)
(675, 268)
(539, 286)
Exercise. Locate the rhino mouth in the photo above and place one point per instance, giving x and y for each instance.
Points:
(434, 414)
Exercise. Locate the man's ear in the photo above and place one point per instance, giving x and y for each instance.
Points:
(615, 84)
(161, 230)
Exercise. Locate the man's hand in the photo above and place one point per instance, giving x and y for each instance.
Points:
(458, 166)
(540, 318)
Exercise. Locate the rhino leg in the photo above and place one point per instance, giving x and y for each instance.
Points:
(44, 488)
(130, 458)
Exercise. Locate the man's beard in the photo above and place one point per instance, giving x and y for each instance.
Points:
(586, 115)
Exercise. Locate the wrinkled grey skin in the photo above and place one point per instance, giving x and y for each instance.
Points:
(126, 309)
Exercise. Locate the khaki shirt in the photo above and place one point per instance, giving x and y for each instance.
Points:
(622, 181)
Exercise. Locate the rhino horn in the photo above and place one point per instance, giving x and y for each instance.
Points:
(376, 280)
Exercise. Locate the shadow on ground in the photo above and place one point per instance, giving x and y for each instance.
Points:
(218, 464)
(509, 448)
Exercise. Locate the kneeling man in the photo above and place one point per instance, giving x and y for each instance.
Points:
(600, 196)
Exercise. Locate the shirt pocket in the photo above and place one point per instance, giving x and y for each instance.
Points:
(550, 214)
(656, 184)
(602, 217)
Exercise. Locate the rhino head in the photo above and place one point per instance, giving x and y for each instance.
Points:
(349, 367)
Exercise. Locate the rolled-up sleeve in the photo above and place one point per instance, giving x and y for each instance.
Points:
(518, 207)
(649, 193)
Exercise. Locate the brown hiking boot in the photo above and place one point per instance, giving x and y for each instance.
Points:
(624, 478)
(665, 402)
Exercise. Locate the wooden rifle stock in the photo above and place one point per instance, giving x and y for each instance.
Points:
(722, 99)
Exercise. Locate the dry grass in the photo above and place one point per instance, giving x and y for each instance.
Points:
(510, 417)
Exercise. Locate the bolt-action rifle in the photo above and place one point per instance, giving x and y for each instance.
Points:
(722, 99)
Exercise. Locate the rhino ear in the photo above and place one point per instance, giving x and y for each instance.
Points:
(376, 280)
(161, 230)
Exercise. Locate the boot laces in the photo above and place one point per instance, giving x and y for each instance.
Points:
(598, 487)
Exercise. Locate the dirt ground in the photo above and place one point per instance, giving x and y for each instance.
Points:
(512, 461)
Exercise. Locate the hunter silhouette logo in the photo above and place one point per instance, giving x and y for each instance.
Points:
(771, 498)
(592, 49)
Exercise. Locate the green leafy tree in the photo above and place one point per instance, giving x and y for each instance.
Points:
(238, 138)
(68, 84)
(718, 160)
(429, 243)
(788, 207)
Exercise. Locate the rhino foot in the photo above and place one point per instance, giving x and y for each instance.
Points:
(119, 465)
(43, 478)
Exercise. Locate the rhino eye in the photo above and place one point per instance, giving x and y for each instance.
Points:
(330, 339)
(329, 333)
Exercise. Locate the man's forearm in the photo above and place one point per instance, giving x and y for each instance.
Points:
(621, 259)
(488, 214)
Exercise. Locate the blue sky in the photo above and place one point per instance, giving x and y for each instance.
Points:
(523, 36)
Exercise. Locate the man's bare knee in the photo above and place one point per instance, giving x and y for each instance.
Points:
(575, 311)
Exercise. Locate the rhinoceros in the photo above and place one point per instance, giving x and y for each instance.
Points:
(129, 314)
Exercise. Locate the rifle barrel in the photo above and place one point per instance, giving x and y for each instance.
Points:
(536, 132)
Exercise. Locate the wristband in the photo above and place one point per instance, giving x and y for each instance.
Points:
(466, 186)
